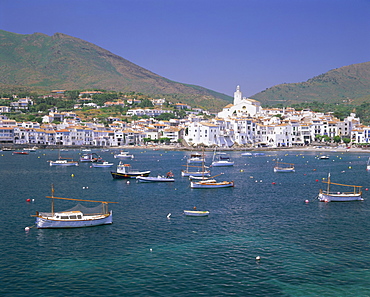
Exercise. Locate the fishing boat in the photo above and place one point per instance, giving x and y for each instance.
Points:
(368, 165)
(90, 158)
(124, 155)
(63, 162)
(196, 158)
(327, 196)
(221, 160)
(102, 164)
(77, 217)
(196, 213)
(125, 171)
(210, 184)
(284, 167)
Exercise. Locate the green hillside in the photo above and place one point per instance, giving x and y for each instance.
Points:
(39, 62)
(348, 84)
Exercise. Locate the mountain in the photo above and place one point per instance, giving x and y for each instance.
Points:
(348, 84)
(41, 62)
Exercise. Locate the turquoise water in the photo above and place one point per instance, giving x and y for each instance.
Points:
(306, 249)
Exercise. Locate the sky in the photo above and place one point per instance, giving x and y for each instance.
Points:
(216, 44)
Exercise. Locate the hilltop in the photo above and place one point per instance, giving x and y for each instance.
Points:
(348, 84)
(38, 62)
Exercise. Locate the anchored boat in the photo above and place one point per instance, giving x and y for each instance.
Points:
(125, 171)
(77, 217)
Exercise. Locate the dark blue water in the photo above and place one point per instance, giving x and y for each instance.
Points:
(306, 249)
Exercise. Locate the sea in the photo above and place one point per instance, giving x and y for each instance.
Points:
(267, 236)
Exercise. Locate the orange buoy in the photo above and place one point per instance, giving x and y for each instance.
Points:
(28, 200)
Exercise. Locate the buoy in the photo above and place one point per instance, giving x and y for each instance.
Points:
(151, 250)
(27, 229)
(258, 258)
(306, 201)
(317, 180)
(72, 175)
(28, 200)
(366, 189)
(350, 167)
(241, 170)
(273, 183)
(168, 216)
(128, 182)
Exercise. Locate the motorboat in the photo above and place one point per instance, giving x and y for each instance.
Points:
(93, 157)
(284, 167)
(196, 159)
(63, 162)
(210, 184)
(102, 164)
(124, 155)
(125, 171)
(154, 179)
(221, 160)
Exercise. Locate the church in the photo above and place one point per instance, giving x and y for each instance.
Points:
(242, 107)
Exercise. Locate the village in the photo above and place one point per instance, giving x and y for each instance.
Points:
(240, 125)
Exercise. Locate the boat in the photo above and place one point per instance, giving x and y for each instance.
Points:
(246, 154)
(151, 179)
(284, 167)
(221, 160)
(199, 171)
(31, 149)
(77, 217)
(323, 157)
(196, 213)
(102, 164)
(90, 158)
(210, 184)
(368, 165)
(63, 162)
(125, 171)
(196, 159)
(124, 155)
(20, 153)
(327, 196)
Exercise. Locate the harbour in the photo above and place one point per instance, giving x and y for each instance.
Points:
(266, 236)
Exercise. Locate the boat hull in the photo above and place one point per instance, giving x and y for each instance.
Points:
(102, 164)
(117, 175)
(195, 173)
(196, 213)
(56, 163)
(211, 185)
(284, 170)
(339, 197)
(149, 179)
(222, 164)
(46, 223)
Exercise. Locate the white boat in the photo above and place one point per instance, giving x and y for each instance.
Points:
(201, 171)
(327, 196)
(93, 157)
(151, 179)
(77, 217)
(211, 184)
(247, 154)
(323, 157)
(196, 213)
(31, 149)
(284, 167)
(368, 165)
(196, 159)
(221, 160)
(124, 155)
(63, 162)
(125, 171)
(102, 164)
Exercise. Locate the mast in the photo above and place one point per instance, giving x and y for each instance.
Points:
(328, 188)
(52, 200)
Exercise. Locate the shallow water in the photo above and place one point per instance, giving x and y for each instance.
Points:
(306, 249)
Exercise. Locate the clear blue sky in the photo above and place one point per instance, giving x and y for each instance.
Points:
(216, 44)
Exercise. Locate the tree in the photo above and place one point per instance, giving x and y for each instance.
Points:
(337, 139)
(346, 140)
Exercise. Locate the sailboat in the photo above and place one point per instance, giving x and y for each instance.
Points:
(200, 171)
(77, 217)
(368, 165)
(63, 162)
(327, 196)
(284, 167)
